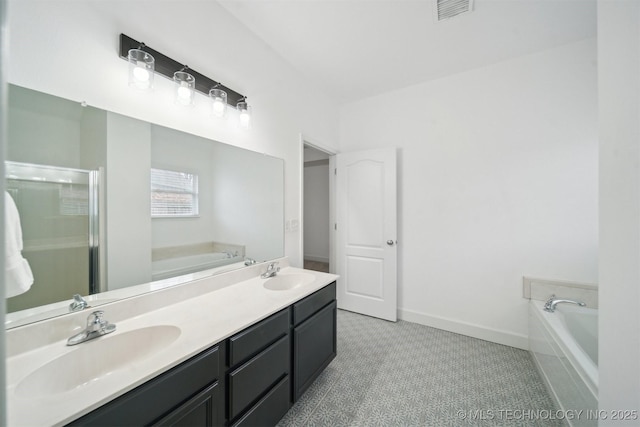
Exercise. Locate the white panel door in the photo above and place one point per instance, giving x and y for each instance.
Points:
(366, 232)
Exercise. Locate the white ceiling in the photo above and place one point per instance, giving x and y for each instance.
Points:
(353, 49)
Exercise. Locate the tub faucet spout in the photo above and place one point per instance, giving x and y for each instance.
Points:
(551, 303)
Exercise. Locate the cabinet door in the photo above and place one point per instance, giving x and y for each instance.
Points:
(314, 347)
(200, 411)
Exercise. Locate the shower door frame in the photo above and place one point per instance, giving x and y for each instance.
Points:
(95, 283)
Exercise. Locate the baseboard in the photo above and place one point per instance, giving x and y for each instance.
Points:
(464, 328)
(316, 258)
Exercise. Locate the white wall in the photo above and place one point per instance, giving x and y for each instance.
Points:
(497, 179)
(619, 119)
(247, 205)
(77, 44)
(316, 211)
(55, 140)
(128, 202)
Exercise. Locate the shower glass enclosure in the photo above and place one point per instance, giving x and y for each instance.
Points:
(58, 210)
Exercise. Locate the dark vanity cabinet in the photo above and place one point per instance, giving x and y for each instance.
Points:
(314, 337)
(250, 379)
(259, 371)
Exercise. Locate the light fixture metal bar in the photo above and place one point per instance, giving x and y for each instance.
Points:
(167, 66)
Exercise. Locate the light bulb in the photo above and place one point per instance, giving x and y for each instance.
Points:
(185, 88)
(244, 119)
(218, 102)
(141, 66)
(141, 74)
(218, 107)
(244, 114)
(184, 92)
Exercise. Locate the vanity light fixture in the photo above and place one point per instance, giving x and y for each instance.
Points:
(218, 101)
(168, 67)
(185, 85)
(244, 110)
(141, 66)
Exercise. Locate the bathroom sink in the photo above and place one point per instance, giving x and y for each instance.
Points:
(94, 360)
(284, 282)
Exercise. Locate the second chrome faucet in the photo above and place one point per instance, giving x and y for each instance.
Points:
(272, 270)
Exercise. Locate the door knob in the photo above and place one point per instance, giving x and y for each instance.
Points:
(390, 242)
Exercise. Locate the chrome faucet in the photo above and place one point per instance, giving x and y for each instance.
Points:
(249, 261)
(551, 303)
(96, 327)
(78, 303)
(272, 270)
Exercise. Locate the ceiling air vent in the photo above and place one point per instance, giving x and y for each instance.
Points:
(449, 8)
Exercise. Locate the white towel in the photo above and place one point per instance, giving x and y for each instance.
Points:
(18, 275)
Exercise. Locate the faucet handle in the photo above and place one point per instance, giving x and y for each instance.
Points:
(95, 316)
(274, 265)
(272, 270)
(547, 304)
(95, 320)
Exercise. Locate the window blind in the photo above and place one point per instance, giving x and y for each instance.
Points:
(173, 193)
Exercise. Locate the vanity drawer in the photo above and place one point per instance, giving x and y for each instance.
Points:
(270, 409)
(254, 339)
(155, 399)
(252, 379)
(303, 309)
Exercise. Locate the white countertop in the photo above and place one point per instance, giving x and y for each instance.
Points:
(204, 320)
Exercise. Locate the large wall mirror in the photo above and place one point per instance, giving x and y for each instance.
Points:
(109, 206)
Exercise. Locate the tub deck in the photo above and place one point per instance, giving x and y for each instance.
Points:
(562, 345)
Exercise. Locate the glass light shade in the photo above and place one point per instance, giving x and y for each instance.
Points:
(244, 111)
(141, 69)
(185, 88)
(218, 102)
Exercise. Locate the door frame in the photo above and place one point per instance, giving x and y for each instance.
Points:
(320, 146)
